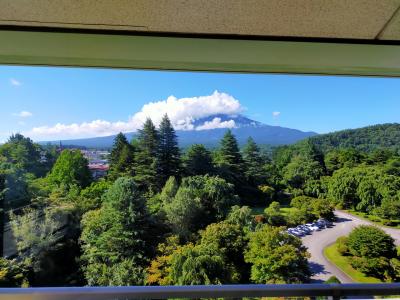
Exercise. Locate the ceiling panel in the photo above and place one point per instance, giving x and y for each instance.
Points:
(392, 30)
(360, 19)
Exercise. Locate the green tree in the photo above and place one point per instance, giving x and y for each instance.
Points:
(115, 238)
(16, 193)
(230, 166)
(342, 188)
(184, 213)
(197, 161)
(35, 232)
(339, 158)
(195, 265)
(277, 257)
(370, 241)
(319, 208)
(241, 216)
(380, 155)
(121, 157)
(298, 216)
(274, 215)
(90, 197)
(168, 153)
(390, 208)
(24, 154)
(254, 163)
(199, 201)
(70, 168)
(157, 203)
(145, 163)
(229, 153)
(229, 241)
(322, 208)
(13, 274)
(368, 194)
(300, 170)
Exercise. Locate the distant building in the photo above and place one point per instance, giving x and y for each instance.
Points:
(98, 170)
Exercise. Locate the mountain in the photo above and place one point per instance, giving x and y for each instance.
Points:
(243, 128)
(365, 139)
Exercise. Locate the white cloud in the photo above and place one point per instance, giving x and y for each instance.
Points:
(15, 82)
(276, 114)
(182, 112)
(23, 114)
(216, 123)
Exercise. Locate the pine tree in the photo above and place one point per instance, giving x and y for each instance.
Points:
(198, 161)
(230, 164)
(168, 154)
(115, 238)
(253, 162)
(145, 163)
(121, 157)
(229, 153)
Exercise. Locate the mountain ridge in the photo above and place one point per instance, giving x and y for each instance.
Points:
(242, 128)
(367, 138)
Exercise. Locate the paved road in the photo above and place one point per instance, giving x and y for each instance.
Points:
(316, 243)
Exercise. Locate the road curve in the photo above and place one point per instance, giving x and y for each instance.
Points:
(317, 241)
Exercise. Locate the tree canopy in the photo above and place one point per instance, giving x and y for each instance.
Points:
(71, 168)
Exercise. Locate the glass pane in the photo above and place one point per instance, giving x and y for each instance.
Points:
(124, 177)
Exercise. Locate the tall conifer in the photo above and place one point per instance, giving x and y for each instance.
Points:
(168, 154)
(145, 163)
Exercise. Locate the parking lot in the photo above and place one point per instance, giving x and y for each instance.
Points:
(319, 239)
(303, 230)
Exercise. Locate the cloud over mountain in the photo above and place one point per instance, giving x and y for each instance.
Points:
(182, 112)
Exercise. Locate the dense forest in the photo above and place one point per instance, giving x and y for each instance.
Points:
(164, 216)
(365, 139)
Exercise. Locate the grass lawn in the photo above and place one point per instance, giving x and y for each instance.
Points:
(373, 219)
(343, 264)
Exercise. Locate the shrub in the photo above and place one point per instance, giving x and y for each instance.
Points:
(378, 267)
(273, 214)
(332, 279)
(13, 273)
(371, 242)
(395, 266)
(342, 246)
(373, 218)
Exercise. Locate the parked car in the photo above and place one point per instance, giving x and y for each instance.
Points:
(304, 229)
(313, 227)
(326, 223)
(295, 232)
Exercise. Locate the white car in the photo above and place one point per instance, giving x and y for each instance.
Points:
(313, 227)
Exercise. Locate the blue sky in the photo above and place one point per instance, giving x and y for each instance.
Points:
(41, 97)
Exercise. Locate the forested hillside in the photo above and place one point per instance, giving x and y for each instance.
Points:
(364, 139)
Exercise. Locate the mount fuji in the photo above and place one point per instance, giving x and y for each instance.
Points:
(209, 130)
